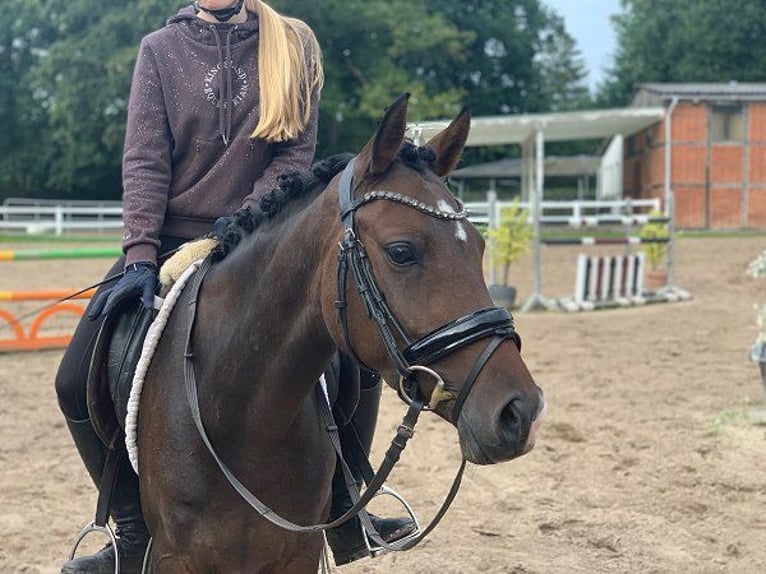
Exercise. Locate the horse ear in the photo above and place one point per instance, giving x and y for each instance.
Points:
(382, 148)
(448, 144)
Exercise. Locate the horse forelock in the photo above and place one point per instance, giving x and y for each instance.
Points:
(417, 157)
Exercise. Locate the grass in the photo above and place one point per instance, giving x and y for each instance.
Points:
(752, 412)
(52, 238)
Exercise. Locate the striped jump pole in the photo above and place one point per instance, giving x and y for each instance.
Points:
(629, 240)
(608, 281)
(33, 340)
(79, 253)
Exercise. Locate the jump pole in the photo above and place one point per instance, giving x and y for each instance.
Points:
(38, 254)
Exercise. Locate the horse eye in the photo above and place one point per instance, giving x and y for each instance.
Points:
(401, 254)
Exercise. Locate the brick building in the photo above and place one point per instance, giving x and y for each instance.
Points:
(717, 155)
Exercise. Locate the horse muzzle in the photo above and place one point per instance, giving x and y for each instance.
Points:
(503, 434)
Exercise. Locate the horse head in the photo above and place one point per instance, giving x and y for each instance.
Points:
(412, 301)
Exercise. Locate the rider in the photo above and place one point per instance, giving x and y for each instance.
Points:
(203, 139)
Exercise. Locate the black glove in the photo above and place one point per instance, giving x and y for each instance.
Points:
(140, 279)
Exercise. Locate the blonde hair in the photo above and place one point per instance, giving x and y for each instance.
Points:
(289, 69)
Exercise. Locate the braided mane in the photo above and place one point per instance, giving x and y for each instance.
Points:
(297, 184)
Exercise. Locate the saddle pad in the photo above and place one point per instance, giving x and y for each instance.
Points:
(147, 352)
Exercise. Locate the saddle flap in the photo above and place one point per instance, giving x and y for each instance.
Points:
(113, 364)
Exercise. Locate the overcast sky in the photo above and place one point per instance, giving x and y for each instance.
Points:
(588, 22)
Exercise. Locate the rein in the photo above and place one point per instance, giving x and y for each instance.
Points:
(493, 322)
(403, 434)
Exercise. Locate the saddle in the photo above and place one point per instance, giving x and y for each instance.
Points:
(113, 364)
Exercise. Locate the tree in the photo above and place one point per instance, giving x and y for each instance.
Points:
(83, 83)
(65, 72)
(521, 60)
(64, 93)
(671, 41)
(24, 125)
(373, 52)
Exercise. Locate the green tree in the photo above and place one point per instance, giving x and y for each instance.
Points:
(24, 39)
(374, 51)
(65, 72)
(64, 88)
(521, 60)
(671, 41)
(83, 83)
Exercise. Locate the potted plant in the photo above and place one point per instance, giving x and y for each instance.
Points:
(756, 269)
(508, 242)
(656, 275)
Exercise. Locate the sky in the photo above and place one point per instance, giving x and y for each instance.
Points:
(588, 23)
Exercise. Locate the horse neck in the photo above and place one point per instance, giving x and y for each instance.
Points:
(265, 339)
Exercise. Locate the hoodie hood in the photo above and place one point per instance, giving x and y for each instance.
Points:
(222, 35)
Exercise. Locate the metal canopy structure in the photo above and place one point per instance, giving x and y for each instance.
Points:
(557, 166)
(531, 131)
(562, 126)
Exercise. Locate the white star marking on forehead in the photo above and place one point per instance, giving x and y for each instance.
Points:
(459, 229)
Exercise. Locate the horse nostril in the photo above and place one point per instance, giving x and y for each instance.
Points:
(514, 420)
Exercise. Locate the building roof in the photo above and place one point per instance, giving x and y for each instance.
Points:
(652, 94)
(560, 126)
(555, 166)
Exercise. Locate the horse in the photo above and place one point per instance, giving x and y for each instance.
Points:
(269, 316)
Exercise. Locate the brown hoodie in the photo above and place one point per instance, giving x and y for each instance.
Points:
(188, 156)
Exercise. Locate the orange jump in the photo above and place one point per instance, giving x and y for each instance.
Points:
(33, 340)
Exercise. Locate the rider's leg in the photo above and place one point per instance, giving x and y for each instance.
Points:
(71, 383)
(132, 535)
(347, 541)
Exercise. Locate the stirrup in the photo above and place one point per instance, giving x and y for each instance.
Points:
(376, 551)
(106, 529)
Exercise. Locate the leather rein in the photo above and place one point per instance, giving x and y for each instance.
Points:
(493, 322)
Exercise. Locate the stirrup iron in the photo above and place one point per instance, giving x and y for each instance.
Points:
(106, 529)
(376, 551)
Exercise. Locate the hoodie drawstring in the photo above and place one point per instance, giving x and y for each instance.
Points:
(225, 103)
(229, 86)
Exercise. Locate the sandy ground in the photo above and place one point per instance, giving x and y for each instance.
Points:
(652, 458)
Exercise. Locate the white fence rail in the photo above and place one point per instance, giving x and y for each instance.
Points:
(47, 216)
(572, 213)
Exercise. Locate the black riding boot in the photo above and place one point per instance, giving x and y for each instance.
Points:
(132, 535)
(347, 540)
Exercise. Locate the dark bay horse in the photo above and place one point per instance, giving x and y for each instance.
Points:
(268, 322)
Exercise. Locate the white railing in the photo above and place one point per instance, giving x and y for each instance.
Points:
(44, 216)
(47, 216)
(572, 213)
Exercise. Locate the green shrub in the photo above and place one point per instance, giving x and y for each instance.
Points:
(655, 252)
(511, 239)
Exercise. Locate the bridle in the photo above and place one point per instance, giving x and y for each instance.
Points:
(493, 322)
(488, 322)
